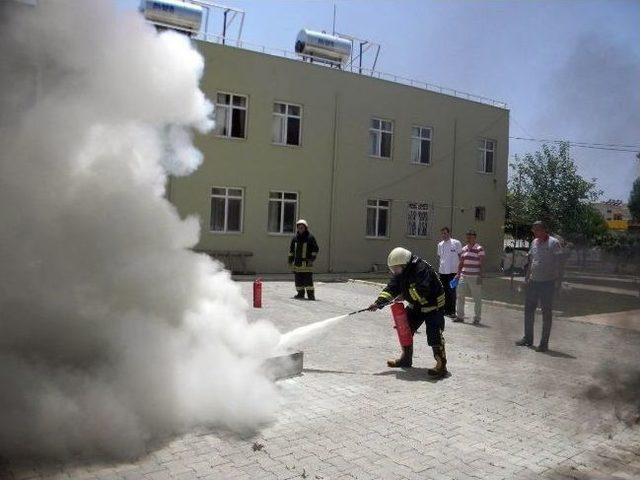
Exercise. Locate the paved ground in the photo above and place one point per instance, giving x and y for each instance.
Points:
(504, 413)
(632, 290)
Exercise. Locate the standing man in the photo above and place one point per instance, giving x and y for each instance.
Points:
(470, 277)
(302, 253)
(449, 250)
(415, 281)
(544, 272)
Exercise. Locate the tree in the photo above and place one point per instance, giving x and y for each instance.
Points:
(634, 200)
(586, 226)
(517, 218)
(545, 185)
(621, 248)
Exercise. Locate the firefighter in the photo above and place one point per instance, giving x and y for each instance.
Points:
(415, 281)
(302, 253)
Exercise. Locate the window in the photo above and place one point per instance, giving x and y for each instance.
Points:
(418, 220)
(421, 145)
(486, 153)
(283, 209)
(286, 124)
(231, 115)
(617, 216)
(380, 138)
(226, 209)
(378, 218)
(481, 213)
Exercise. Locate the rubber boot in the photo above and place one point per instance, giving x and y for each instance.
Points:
(440, 369)
(300, 295)
(405, 360)
(311, 294)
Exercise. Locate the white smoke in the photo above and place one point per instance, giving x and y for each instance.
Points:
(112, 332)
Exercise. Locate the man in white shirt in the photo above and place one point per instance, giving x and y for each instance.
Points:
(449, 250)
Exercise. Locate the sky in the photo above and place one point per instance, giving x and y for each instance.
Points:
(566, 69)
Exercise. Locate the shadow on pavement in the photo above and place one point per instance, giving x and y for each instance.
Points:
(555, 353)
(471, 324)
(413, 375)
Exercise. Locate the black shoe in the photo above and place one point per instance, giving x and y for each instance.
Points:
(523, 343)
(542, 348)
(458, 320)
(299, 296)
(311, 295)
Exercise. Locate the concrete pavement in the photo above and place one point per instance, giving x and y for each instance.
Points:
(504, 413)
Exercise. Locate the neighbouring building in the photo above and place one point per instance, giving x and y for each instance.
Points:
(616, 214)
(371, 164)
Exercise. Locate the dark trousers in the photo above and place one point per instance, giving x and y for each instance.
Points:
(303, 280)
(434, 324)
(449, 293)
(538, 292)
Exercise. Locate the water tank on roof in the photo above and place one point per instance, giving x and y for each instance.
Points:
(322, 46)
(173, 14)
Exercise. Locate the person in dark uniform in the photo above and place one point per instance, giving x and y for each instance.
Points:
(415, 281)
(302, 253)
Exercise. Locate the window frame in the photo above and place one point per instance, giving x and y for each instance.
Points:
(412, 138)
(428, 210)
(286, 116)
(230, 107)
(380, 131)
(282, 201)
(483, 150)
(377, 208)
(226, 197)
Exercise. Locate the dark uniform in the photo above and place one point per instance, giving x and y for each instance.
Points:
(419, 284)
(302, 253)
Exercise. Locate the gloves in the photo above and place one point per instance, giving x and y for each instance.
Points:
(373, 307)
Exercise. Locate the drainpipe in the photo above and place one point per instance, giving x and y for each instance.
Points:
(453, 173)
(334, 161)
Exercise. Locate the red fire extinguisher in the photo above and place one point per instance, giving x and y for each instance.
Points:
(257, 293)
(402, 324)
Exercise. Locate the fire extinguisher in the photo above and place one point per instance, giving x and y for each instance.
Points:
(257, 293)
(401, 324)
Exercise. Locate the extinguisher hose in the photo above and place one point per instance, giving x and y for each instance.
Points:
(367, 309)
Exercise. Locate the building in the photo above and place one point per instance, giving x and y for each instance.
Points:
(371, 164)
(616, 214)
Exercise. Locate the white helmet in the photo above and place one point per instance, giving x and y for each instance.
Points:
(302, 222)
(399, 257)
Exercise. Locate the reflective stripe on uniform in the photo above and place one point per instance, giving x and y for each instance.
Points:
(302, 269)
(385, 296)
(428, 309)
(416, 296)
